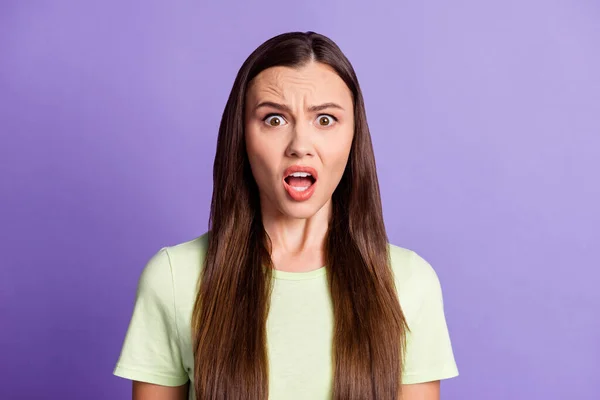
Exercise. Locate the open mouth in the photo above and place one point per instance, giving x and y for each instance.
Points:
(300, 181)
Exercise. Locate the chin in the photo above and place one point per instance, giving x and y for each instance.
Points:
(300, 210)
(303, 210)
(300, 213)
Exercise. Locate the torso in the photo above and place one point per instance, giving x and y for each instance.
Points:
(300, 323)
(304, 262)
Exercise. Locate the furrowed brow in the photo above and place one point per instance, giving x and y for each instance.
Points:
(325, 106)
(283, 107)
(270, 104)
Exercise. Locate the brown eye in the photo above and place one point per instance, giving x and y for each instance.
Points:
(325, 120)
(274, 120)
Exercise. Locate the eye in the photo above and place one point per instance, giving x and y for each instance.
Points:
(274, 120)
(326, 120)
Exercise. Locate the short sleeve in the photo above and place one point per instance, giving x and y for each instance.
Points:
(150, 351)
(429, 355)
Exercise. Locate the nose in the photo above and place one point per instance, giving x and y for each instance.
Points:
(300, 144)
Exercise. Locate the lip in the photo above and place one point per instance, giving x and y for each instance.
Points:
(300, 168)
(299, 196)
(306, 194)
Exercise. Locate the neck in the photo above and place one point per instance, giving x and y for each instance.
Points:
(291, 235)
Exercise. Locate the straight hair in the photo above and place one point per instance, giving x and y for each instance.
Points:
(234, 288)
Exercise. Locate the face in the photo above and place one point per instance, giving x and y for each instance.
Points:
(298, 117)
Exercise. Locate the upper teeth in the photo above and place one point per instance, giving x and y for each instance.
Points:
(300, 174)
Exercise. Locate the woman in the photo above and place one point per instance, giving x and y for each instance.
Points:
(294, 292)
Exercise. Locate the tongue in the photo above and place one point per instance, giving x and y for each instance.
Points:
(299, 182)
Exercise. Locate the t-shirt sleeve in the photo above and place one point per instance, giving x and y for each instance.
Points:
(150, 351)
(429, 355)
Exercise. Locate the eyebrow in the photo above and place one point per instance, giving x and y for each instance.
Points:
(283, 107)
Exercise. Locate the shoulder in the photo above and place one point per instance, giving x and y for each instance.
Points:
(187, 258)
(173, 270)
(416, 280)
(429, 355)
(410, 267)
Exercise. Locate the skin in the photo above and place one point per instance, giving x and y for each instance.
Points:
(421, 391)
(296, 134)
(148, 391)
(289, 131)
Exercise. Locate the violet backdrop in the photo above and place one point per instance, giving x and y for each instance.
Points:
(485, 118)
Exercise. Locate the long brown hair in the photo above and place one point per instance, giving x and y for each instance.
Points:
(231, 309)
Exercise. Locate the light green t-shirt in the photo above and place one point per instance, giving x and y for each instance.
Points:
(158, 347)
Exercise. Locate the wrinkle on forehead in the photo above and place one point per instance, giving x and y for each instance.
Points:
(290, 84)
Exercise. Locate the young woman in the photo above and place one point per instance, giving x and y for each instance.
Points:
(294, 291)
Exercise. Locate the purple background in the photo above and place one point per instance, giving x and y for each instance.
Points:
(485, 118)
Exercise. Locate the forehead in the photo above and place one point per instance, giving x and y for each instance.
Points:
(317, 81)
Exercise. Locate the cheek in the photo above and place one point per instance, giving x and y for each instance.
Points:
(340, 159)
(339, 149)
(260, 159)
(335, 161)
